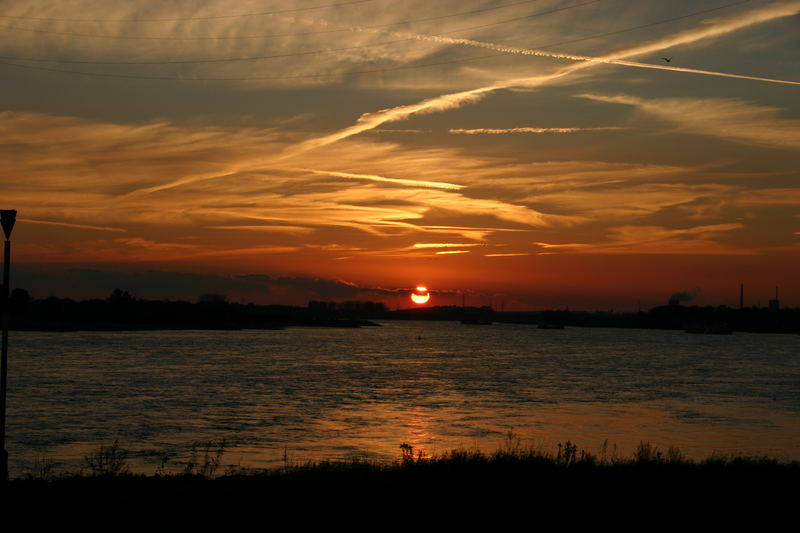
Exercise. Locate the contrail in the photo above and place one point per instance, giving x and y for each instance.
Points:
(369, 121)
(609, 60)
(500, 131)
(698, 71)
(715, 29)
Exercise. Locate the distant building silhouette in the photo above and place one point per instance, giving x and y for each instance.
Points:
(774, 305)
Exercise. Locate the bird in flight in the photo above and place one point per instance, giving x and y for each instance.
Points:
(667, 59)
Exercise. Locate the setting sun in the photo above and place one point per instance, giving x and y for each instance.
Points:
(420, 295)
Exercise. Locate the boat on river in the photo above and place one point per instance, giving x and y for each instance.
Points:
(549, 325)
(713, 329)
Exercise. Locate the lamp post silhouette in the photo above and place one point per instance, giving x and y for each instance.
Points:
(7, 219)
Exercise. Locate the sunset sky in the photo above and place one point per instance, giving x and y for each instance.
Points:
(530, 154)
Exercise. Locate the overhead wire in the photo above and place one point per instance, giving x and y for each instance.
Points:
(249, 78)
(270, 35)
(367, 71)
(292, 54)
(181, 19)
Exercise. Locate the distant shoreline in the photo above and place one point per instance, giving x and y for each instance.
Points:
(123, 312)
(351, 324)
(106, 327)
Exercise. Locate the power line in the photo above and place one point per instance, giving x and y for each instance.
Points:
(359, 72)
(289, 54)
(179, 19)
(200, 61)
(257, 78)
(265, 36)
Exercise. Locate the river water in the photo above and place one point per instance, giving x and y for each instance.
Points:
(321, 393)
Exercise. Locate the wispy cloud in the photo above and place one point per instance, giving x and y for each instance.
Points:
(97, 149)
(398, 181)
(728, 118)
(388, 209)
(69, 225)
(125, 177)
(467, 232)
(631, 239)
(623, 199)
(267, 209)
(154, 246)
(659, 240)
(271, 228)
(769, 197)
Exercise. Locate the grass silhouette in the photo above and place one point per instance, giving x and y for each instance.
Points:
(107, 461)
(515, 486)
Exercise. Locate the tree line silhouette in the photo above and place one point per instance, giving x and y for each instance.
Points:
(123, 311)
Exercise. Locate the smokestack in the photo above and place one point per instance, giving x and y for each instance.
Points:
(741, 296)
(775, 304)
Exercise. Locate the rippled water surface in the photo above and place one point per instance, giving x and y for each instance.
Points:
(338, 393)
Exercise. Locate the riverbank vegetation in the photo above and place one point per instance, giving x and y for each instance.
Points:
(121, 311)
(461, 488)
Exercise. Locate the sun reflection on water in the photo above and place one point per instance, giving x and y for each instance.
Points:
(418, 426)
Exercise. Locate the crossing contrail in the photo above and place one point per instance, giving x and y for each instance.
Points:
(373, 120)
(369, 121)
(609, 60)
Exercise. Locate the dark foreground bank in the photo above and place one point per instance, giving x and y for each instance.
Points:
(518, 489)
